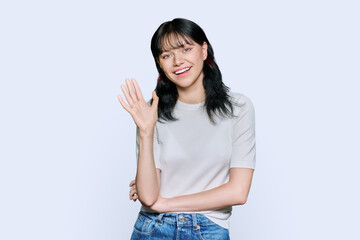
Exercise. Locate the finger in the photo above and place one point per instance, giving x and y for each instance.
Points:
(133, 191)
(132, 183)
(155, 100)
(123, 104)
(137, 89)
(135, 198)
(127, 96)
(131, 90)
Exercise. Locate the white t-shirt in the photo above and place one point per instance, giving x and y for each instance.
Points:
(195, 155)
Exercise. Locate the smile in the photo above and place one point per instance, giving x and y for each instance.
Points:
(182, 71)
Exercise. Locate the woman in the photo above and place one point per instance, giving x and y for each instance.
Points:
(195, 141)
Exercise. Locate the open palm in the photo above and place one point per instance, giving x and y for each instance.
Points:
(144, 116)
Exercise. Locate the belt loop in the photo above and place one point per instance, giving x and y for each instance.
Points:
(159, 217)
(194, 220)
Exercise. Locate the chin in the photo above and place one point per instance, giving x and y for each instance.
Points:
(184, 82)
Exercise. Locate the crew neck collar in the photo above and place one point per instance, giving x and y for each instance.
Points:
(188, 106)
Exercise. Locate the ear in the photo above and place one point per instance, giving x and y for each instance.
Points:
(204, 50)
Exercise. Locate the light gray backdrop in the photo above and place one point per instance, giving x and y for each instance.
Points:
(68, 148)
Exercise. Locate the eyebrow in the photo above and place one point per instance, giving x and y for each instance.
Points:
(172, 48)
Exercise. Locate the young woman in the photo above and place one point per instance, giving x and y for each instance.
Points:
(195, 141)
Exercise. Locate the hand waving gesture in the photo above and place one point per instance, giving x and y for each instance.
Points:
(144, 116)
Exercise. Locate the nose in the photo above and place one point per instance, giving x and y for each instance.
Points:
(178, 59)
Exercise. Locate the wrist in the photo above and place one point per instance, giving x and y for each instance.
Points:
(167, 205)
(145, 133)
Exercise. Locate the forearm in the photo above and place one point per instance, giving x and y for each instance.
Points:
(219, 197)
(234, 192)
(147, 184)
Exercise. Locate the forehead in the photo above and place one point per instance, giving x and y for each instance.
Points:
(174, 40)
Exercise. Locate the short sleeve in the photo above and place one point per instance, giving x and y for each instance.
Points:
(156, 146)
(243, 153)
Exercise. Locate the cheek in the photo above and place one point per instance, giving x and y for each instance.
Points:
(200, 61)
(200, 56)
(166, 69)
(165, 63)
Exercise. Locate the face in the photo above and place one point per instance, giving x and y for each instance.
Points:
(184, 65)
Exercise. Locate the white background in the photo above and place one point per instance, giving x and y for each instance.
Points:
(68, 148)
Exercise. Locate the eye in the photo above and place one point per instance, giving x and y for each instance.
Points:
(166, 56)
(187, 49)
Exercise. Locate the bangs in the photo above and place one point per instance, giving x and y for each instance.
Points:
(173, 40)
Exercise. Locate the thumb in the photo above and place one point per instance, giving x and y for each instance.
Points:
(155, 98)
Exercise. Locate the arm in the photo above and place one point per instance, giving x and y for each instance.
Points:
(234, 192)
(145, 117)
(147, 180)
(133, 193)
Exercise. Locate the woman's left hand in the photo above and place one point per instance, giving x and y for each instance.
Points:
(133, 192)
(161, 205)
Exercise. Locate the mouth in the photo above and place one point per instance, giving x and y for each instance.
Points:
(181, 71)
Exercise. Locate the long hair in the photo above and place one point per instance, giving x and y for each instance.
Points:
(217, 100)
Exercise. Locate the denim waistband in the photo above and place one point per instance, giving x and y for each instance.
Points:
(179, 219)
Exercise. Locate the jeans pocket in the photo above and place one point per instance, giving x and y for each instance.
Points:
(145, 224)
(212, 230)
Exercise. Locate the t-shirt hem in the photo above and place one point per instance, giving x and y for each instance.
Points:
(221, 222)
(242, 166)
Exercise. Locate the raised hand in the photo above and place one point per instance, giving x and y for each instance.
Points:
(144, 116)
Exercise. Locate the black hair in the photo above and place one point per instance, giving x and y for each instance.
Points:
(217, 98)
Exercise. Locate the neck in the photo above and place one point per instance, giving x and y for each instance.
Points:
(192, 97)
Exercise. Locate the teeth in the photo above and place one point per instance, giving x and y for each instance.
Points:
(182, 70)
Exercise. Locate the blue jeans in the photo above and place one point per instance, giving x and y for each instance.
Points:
(177, 226)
